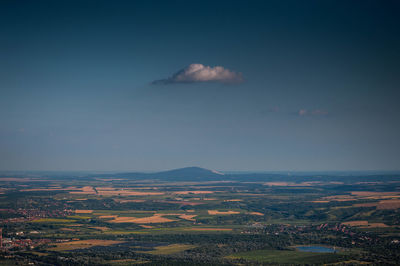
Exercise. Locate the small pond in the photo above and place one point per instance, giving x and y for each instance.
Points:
(316, 249)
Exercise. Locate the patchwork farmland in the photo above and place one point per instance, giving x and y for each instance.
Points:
(238, 220)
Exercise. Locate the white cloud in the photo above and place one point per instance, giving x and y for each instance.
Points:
(201, 73)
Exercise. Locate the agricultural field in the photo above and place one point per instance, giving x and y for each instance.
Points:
(82, 244)
(122, 219)
(288, 257)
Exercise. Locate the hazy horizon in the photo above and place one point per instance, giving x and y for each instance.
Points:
(218, 170)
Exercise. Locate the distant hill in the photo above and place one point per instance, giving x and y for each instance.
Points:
(181, 174)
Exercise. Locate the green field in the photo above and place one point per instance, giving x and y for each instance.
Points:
(288, 257)
(53, 220)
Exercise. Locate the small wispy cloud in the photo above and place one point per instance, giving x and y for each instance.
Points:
(316, 112)
(303, 112)
(201, 73)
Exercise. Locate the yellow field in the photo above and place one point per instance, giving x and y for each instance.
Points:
(71, 245)
(156, 218)
(374, 204)
(170, 249)
(84, 190)
(108, 216)
(68, 229)
(53, 220)
(256, 213)
(356, 223)
(215, 212)
(188, 217)
(376, 225)
(372, 193)
(277, 184)
(101, 228)
(127, 193)
(388, 204)
(339, 198)
(128, 200)
(365, 224)
(83, 211)
(147, 226)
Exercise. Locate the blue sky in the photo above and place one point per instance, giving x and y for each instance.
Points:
(318, 85)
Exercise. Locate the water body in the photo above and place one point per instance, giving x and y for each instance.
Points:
(320, 249)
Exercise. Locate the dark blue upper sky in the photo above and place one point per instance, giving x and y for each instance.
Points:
(317, 85)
